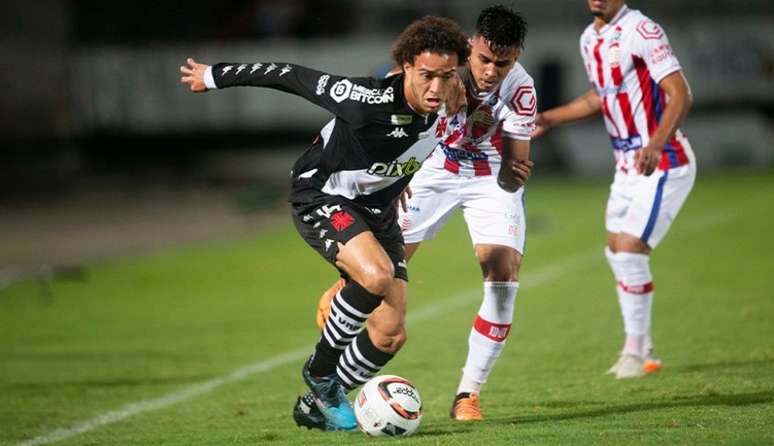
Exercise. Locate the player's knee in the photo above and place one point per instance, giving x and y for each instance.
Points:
(630, 243)
(504, 270)
(378, 279)
(499, 263)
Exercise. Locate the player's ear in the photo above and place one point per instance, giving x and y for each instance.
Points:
(407, 67)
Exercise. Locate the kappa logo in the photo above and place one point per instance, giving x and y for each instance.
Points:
(395, 169)
(240, 68)
(255, 67)
(524, 102)
(270, 68)
(226, 69)
(322, 82)
(328, 243)
(346, 90)
(285, 70)
(398, 133)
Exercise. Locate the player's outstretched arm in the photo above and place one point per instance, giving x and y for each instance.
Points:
(310, 84)
(582, 107)
(680, 99)
(193, 75)
(516, 166)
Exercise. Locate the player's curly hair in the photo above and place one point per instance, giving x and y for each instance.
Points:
(502, 27)
(433, 34)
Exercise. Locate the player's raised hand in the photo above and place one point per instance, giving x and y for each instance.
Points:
(514, 174)
(541, 125)
(646, 159)
(457, 99)
(193, 75)
(404, 198)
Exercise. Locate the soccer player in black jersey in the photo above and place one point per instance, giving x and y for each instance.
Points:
(344, 188)
(463, 174)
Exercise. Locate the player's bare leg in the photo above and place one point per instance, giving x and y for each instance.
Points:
(366, 262)
(385, 331)
(500, 269)
(628, 257)
(386, 326)
(324, 304)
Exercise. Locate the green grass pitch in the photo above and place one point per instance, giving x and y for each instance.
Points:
(203, 345)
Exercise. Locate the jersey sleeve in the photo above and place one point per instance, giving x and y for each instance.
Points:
(328, 91)
(520, 109)
(652, 46)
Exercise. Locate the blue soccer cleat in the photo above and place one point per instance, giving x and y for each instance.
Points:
(331, 399)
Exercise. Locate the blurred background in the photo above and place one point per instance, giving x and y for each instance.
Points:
(103, 152)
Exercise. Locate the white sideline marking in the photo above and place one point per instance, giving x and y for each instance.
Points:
(538, 277)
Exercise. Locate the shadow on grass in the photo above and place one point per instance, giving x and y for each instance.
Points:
(720, 365)
(740, 399)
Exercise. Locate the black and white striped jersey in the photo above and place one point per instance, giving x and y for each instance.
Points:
(368, 153)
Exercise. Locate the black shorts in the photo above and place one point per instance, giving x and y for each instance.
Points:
(322, 224)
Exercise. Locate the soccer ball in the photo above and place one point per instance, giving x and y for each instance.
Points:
(388, 405)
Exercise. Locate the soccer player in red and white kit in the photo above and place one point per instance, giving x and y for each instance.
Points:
(639, 88)
(464, 172)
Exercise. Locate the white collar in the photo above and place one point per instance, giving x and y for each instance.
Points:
(624, 9)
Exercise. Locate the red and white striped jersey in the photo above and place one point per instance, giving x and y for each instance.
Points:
(508, 111)
(625, 60)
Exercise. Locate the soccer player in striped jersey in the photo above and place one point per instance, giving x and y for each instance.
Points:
(639, 88)
(465, 172)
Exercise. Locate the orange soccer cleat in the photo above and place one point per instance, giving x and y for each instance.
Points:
(466, 407)
(652, 363)
(324, 305)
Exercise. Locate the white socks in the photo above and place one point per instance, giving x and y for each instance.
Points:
(635, 296)
(487, 337)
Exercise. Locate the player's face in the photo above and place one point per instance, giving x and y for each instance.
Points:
(489, 67)
(429, 80)
(605, 9)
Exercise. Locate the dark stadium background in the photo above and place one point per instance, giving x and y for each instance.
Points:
(103, 152)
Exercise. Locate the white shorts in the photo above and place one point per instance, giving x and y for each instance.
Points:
(645, 206)
(493, 215)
